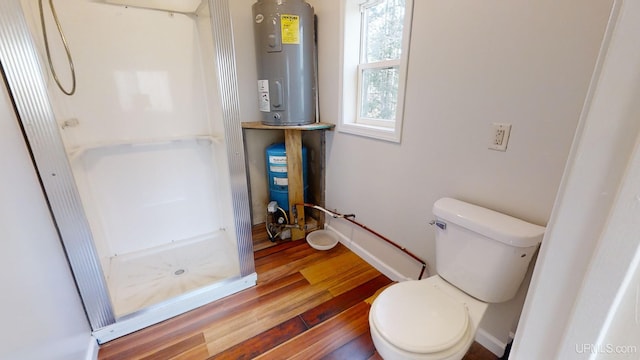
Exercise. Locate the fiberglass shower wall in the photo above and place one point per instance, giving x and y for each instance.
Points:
(144, 137)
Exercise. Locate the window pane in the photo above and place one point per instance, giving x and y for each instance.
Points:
(383, 30)
(380, 93)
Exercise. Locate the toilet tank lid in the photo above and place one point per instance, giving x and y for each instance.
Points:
(490, 223)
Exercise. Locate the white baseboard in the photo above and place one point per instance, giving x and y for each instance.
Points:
(374, 261)
(92, 349)
(490, 342)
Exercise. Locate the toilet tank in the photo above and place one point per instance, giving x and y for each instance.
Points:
(483, 252)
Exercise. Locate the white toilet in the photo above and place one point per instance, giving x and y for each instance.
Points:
(481, 258)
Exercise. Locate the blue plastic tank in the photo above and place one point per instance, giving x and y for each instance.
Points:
(276, 156)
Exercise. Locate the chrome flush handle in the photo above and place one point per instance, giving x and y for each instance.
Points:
(441, 224)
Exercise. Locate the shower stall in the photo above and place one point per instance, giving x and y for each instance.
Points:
(130, 110)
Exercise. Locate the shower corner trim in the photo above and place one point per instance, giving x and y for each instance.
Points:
(228, 87)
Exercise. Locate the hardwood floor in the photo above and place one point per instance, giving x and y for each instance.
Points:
(308, 304)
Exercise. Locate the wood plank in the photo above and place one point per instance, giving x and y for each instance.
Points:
(197, 353)
(183, 326)
(477, 352)
(292, 327)
(262, 315)
(150, 351)
(286, 254)
(324, 338)
(254, 321)
(346, 261)
(264, 341)
(177, 348)
(261, 290)
(294, 261)
(343, 302)
(155, 338)
(359, 348)
(276, 248)
(355, 279)
(293, 144)
(340, 273)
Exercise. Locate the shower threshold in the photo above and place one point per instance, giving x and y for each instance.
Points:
(173, 307)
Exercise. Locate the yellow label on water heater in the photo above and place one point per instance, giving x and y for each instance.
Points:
(290, 25)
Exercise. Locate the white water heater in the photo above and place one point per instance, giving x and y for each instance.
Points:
(285, 52)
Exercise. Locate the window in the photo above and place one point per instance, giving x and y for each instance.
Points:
(375, 52)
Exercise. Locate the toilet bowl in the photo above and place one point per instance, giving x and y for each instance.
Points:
(481, 258)
(424, 319)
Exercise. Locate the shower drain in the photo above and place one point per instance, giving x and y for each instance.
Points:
(179, 272)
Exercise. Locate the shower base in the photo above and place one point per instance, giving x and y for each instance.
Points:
(139, 280)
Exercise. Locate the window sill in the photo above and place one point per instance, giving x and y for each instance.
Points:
(375, 132)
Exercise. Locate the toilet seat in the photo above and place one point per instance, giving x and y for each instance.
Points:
(418, 317)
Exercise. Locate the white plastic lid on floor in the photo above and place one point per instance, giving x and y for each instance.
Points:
(420, 318)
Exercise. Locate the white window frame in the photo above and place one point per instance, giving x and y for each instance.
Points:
(350, 76)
